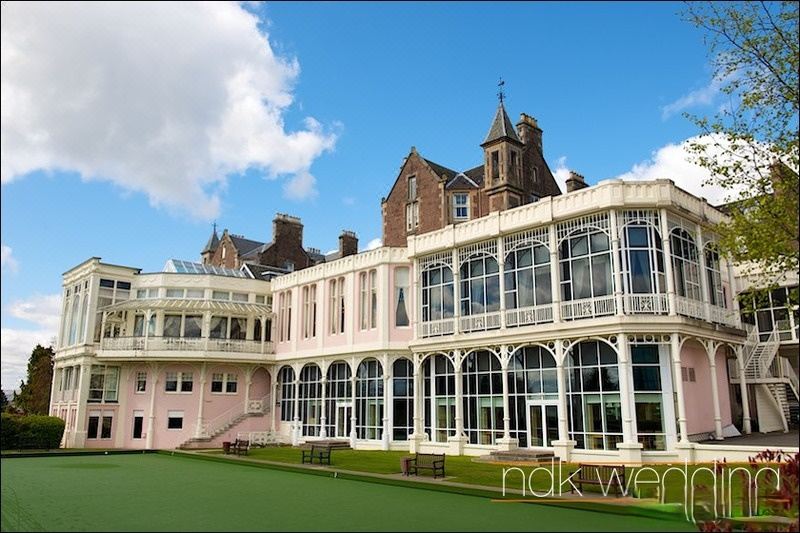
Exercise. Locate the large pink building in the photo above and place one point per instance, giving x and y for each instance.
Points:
(600, 322)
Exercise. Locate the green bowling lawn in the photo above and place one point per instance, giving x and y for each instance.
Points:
(161, 492)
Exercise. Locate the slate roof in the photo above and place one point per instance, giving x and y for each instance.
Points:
(441, 170)
(245, 246)
(501, 127)
(212, 243)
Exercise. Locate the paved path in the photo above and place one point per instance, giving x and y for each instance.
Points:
(766, 440)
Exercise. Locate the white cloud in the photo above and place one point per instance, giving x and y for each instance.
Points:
(374, 243)
(161, 98)
(561, 173)
(7, 261)
(16, 344)
(674, 161)
(699, 97)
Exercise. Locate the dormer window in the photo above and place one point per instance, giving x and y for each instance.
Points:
(461, 206)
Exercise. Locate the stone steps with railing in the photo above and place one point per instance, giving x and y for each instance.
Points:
(226, 421)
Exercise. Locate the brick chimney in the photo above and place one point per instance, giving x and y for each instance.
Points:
(575, 182)
(529, 131)
(287, 229)
(348, 243)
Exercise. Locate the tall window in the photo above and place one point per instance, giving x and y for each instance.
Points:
(336, 306)
(648, 396)
(363, 300)
(141, 382)
(437, 293)
(412, 188)
(495, 165)
(775, 309)
(685, 264)
(103, 384)
(480, 285)
(460, 206)
(643, 259)
(531, 376)
(109, 292)
(402, 399)
(286, 388)
(527, 271)
(412, 208)
(310, 399)
(285, 316)
(585, 259)
(595, 411)
(139, 325)
(401, 280)
(373, 299)
(368, 301)
(439, 383)
(310, 311)
(339, 390)
(483, 397)
(369, 400)
(714, 277)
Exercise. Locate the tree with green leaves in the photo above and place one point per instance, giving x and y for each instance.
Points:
(750, 146)
(3, 401)
(34, 395)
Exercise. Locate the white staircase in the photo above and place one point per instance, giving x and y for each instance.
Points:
(776, 382)
(208, 431)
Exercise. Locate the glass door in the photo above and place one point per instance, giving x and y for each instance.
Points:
(343, 420)
(542, 424)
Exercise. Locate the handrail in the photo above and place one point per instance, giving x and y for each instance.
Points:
(207, 429)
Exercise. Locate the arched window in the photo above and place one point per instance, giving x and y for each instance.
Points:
(402, 399)
(310, 399)
(483, 397)
(480, 285)
(533, 396)
(437, 293)
(369, 400)
(585, 258)
(338, 399)
(714, 276)
(685, 264)
(440, 397)
(527, 272)
(643, 259)
(286, 388)
(595, 411)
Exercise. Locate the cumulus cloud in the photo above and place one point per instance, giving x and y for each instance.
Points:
(7, 261)
(675, 162)
(561, 173)
(699, 97)
(374, 243)
(167, 99)
(42, 313)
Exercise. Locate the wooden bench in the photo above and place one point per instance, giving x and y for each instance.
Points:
(321, 453)
(427, 461)
(593, 474)
(241, 447)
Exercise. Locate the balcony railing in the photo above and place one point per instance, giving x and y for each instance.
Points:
(588, 308)
(193, 344)
(720, 315)
(525, 316)
(437, 328)
(482, 322)
(690, 308)
(648, 304)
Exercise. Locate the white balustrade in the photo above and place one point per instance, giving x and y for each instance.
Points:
(525, 316)
(188, 344)
(588, 308)
(481, 322)
(646, 304)
(690, 308)
(436, 328)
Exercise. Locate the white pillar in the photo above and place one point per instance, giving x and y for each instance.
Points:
(501, 261)
(296, 424)
(704, 291)
(711, 349)
(563, 427)
(273, 397)
(666, 245)
(746, 425)
(625, 390)
(154, 370)
(201, 402)
(387, 405)
(353, 417)
(555, 285)
(506, 442)
(675, 356)
(416, 436)
(456, 292)
(459, 394)
(248, 382)
(615, 261)
(323, 419)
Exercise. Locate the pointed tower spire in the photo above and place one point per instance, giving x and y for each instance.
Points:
(501, 125)
(213, 241)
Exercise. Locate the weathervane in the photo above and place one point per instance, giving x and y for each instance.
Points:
(501, 95)
(215, 226)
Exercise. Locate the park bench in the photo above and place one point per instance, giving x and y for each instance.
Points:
(427, 461)
(241, 447)
(601, 475)
(321, 453)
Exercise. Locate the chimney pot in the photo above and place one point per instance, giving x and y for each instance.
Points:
(575, 181)
(348, 243)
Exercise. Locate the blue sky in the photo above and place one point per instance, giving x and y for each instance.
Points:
(606, 81)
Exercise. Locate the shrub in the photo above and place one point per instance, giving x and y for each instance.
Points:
(34, 431)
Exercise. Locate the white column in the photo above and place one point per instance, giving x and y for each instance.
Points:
(248, 382)
(507, 442)
(154, 371)
(675, 355)
(711, 349)
(418, 400)
(501, 261)
(459, 394)
(147, 315)
(201, 402)
(666, 245)
(625, 390)
(387, 404)
(746, 425)
(563, 427)
(353, 417)
(732, 288)
(323, 429)
(273, 397)
(701, 251)
(296, 426)
(555, 285)
(615, 261)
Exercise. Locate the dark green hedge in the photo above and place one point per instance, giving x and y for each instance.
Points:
(30, 432)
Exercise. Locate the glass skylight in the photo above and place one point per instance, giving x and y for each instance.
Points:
(188, 267)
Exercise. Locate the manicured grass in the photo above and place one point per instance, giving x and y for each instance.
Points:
(161, 492)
